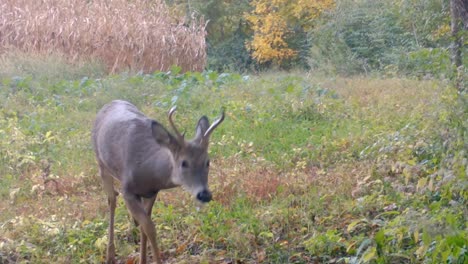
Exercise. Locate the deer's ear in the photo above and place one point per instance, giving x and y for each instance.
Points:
(202, 126)
(162, 136)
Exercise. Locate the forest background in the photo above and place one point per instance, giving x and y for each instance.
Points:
(338, 37)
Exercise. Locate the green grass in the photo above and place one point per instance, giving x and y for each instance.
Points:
(305, 168)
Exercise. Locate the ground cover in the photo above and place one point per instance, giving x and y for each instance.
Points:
(305, 169)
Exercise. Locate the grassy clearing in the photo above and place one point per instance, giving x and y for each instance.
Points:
(305, 169)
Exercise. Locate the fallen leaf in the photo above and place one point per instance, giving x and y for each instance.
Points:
(180, 249)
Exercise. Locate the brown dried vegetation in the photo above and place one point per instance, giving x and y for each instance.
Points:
(135, 35)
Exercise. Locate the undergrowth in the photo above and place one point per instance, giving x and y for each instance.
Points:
(306, 169)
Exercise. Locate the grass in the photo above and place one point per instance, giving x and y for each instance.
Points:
(305, 169)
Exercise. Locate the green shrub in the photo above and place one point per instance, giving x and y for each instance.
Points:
(396, 37)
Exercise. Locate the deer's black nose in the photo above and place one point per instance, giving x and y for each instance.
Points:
(204, 196)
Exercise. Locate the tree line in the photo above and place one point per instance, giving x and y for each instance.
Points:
(340, 36)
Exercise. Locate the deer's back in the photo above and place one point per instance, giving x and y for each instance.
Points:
(122, 137)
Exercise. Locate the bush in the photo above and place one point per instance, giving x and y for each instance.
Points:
(230, 54)
(360, 37)
(409, 38)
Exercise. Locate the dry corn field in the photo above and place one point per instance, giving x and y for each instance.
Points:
(135, 35)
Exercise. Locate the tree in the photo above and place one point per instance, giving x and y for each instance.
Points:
(273, 21)
(459, 18)
(227, 30)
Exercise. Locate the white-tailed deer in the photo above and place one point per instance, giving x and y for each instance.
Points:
(146, 158)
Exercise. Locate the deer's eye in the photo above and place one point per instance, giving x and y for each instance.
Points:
(207, 163)
(184, 164)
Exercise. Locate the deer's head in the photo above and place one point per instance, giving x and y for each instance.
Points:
(190, 157)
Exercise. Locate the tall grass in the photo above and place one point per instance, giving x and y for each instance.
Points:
(138, 35)
(48, 67)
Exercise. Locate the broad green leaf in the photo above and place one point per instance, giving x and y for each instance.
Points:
(213, 75)
(175, 69)
(426, 238)
(445, 254)
(266, 234)
(380, 237)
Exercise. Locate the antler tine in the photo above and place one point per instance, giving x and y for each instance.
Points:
(214, 125)
(179, 136)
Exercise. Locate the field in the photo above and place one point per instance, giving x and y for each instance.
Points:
(305, 169)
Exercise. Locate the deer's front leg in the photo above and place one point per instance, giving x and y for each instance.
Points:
(148, 206)
(110, 246)
(108, 184)
(146, 225)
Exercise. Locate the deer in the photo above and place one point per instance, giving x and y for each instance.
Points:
(146, 158)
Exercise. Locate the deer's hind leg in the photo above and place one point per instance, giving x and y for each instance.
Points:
(108, 186)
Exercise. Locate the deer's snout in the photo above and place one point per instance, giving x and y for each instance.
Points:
(204, 196)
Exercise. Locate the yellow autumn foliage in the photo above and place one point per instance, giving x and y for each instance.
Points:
(271, 21)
